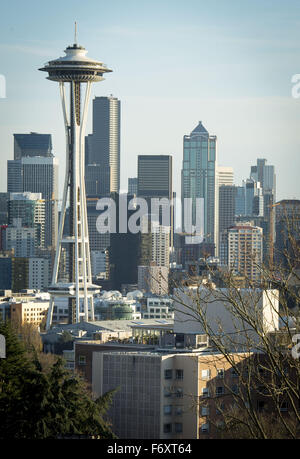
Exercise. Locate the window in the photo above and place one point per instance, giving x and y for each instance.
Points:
(204, 411)
(205, 428)
(179, 374)
(205, 392)
(220, 372)
(178, 410)
(219, 390)
(179, 392)
(220, 408)
(205, 374)
(81, 360)
(234, 373)
(235, 389)
(167, 392)
(178, 427)
(167, 428)
(168, 374)
(284, 406)
(167, 409)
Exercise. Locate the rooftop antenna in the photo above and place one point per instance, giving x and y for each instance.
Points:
(75, 34)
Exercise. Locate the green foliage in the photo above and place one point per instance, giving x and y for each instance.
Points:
(39, 405)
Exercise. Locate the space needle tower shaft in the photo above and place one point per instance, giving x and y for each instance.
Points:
(79, 72)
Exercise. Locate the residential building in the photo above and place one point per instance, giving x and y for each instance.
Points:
(154, 279)
(243, 250)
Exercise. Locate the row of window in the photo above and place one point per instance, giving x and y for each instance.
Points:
(177, 427)
(169, 374)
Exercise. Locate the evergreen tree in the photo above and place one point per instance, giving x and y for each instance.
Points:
(39, 405)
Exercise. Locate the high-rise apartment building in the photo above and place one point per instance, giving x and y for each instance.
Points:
(103, 145)
(199, 179)
(30, 209)
(244, 250)
(32, 144)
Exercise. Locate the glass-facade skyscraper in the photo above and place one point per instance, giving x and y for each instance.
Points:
(103, 145)
(199, 179)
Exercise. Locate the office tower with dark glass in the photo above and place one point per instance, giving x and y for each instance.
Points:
(104, 146)
(32, 144)
(155, 181)
(80, 71)
(199, 179)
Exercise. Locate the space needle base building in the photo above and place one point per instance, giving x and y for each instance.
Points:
(80, 72)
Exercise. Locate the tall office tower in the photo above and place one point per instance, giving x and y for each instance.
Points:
(227, 202)
(123, 252)
(104, 143)
(30, 208)
(244, 253)
(4, 197)
(40, 175)
(199, 179)
(240, 207)
(133, 186)
(14, 176)
(155, 182)
(227, 211)
(97, 180)
(98, 241)
(225, 175)
(265, 175)
(254, 201)
(32, 144)
(80, 71)
(287, 247)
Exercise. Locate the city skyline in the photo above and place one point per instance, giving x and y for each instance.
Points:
(239, 85)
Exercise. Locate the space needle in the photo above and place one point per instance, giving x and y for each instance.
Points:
(79, 71)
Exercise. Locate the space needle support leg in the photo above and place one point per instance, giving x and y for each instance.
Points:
(63, 209)
(84, 226)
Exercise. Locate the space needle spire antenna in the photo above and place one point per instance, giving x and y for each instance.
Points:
(75, 34)
(79, 72)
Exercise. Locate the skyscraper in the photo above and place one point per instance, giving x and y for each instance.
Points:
(103, 144)
(155, 181)
(32, 144)
(30, 208)
(37, 174)
(244, 253)
(199, 179)
(40, 175)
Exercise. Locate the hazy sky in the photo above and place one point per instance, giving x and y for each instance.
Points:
(228, 63)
